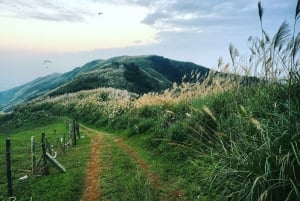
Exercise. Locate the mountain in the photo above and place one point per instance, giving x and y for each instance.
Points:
(31, 90)
(139, 74)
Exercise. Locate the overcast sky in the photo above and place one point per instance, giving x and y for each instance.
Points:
(72, 33)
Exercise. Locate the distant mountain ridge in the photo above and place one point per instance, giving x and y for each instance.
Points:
(139, 74)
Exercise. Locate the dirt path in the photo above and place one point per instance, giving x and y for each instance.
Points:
(91, 190)
(154, 178)
(91, 185)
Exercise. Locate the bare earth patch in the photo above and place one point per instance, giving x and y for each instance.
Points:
(91, 190)
(91, 187)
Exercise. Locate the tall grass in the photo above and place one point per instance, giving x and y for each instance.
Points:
(240, 138)
(258, 157)
(214, 83)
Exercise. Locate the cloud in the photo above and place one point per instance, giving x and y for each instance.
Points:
(193, 15)
(213, 15)
(162, 14)
(44, 10)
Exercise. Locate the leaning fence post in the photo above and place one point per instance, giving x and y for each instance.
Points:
(8, 169)
(33, 160)
(45, 169)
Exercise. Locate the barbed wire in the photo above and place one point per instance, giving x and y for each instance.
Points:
(12, 198)
(52, 146)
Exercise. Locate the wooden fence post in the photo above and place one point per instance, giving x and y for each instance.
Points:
(71, 134)
(77, 130)
(64, 143)
(8, 169)
(45, 168)
(74, 131)
(33, 160)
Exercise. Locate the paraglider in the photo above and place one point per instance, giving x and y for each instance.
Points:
(47, 62)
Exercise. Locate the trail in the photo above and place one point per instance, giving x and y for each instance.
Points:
(91, 191)
(153, 177)
(91, 185)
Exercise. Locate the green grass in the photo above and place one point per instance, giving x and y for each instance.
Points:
(239, 144)
(121, 178)
(242, 144)
(177, 174)
(258, 158)
(56, 186)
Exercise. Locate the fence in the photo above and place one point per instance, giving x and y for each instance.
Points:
(41, 154)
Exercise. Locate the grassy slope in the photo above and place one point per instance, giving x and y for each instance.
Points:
(56, 186)
(120, 174)
(198, 144)
(139, 74)
(33, 89)
(242, 143)
(121, 178)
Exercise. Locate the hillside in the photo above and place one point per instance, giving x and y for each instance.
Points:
(139, 74)
(228, 137)
(30, 90)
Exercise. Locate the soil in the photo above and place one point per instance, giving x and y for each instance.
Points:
(91, 187)
(91, 190)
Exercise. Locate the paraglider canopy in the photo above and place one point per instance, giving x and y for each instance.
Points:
(46, 62)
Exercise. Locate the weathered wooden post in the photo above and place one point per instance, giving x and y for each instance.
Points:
(48, 146)
(45, 168)
(56, 163)
(8, 169)
(71, 133)
(74, 131)
(33, 160)
(77, 129)
(64, 143)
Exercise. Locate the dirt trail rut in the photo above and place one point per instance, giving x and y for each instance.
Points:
(91, 190)
(91, 187)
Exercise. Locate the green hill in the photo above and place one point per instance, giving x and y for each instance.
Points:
(30, 90)
(139, 74)
(228, 137)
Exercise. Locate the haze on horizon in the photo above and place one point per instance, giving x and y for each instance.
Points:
(71, 34)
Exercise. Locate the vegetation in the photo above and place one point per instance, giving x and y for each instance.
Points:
(259, 157)
(139, 74)
(57, 185)
(222, 138)
(121, 178)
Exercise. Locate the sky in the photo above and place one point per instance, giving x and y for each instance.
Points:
(72, 33)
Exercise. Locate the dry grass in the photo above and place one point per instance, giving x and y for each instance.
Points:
(213, 84)
(111, 102)
(108, 101)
